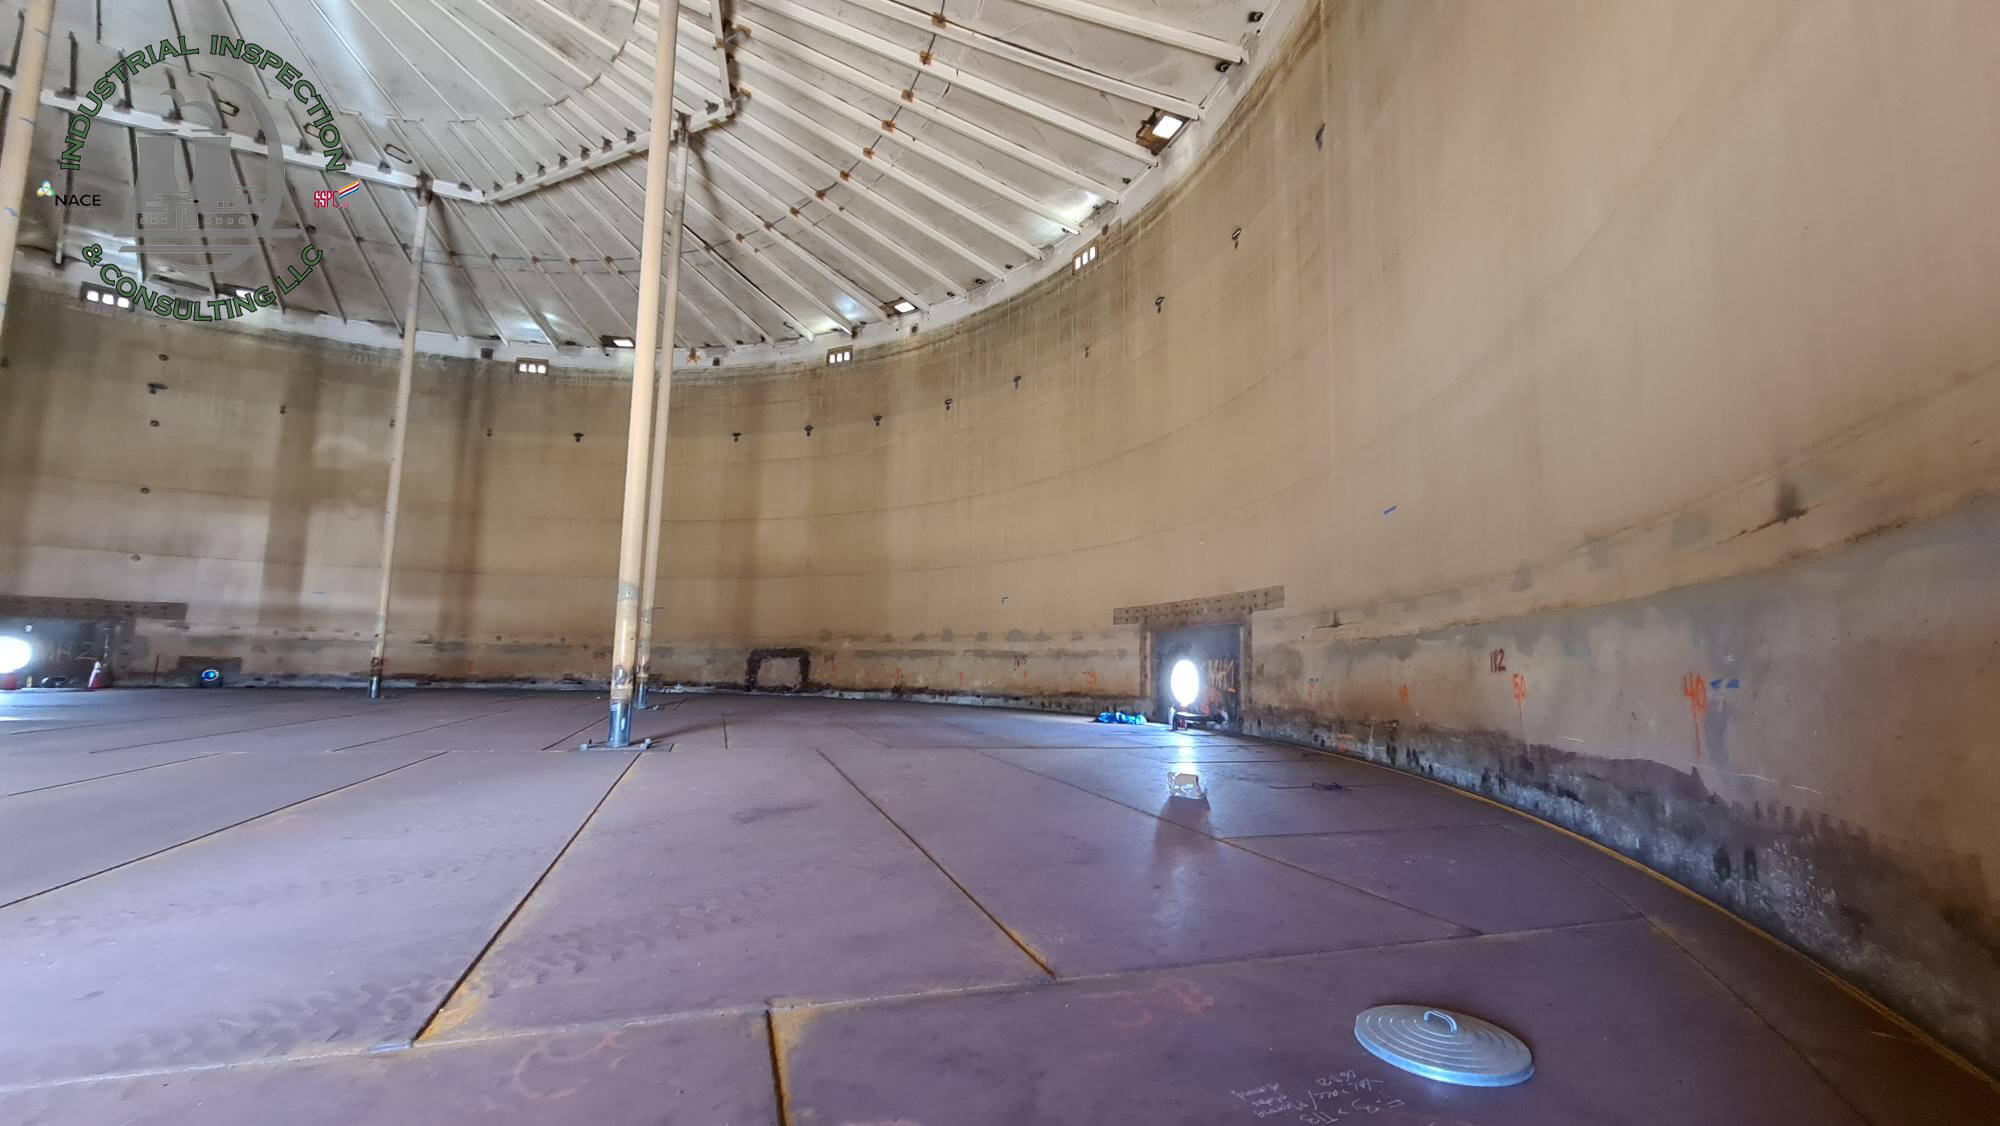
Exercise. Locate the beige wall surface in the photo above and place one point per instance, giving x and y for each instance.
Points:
(1655, 346)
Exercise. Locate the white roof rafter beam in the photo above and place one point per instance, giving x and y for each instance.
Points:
(634, 64)
(611, 192)
(865, 227)
(901, 283)
(903, 176)
(709, 29)
(1219, 49)
(997, 92)
(153, 123)
(781, 238)
(1001, 48)
(718, 44)
(891, 206)
(534, 261)
(823, 233)
(756, 329)
(642, 109)
(444, 220)
(790, 317)
(936, 155)
(916, 183)
(493, 262)
(720, 337)
(930, 112)
(411, 254)
(603, 158)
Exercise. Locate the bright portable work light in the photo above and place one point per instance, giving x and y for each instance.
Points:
(1185, 682)
(15, 653)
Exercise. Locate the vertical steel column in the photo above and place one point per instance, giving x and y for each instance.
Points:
(632, 525)
(20, 136)
(396, 439)
(657, 487)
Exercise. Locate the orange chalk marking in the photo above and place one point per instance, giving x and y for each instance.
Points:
(1696, 690)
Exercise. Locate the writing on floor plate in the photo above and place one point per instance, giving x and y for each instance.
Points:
(1341, 1097)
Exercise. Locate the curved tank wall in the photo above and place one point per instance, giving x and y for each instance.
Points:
(1593, 406)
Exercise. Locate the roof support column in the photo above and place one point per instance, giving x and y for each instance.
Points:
(20, 136)
(398, 434)
(646, 340)
(677, 175)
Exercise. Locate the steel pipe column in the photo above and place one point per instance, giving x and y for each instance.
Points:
(646, 341)
(677, 168)
(400, 429)
(25, 102)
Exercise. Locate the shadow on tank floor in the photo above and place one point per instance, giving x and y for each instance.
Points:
(269, 905)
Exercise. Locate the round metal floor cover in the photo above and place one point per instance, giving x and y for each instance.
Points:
(1446, 1046)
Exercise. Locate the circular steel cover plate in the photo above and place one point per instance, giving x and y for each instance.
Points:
(1442, 1045)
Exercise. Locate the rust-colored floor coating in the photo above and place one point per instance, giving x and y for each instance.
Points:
(256, 906)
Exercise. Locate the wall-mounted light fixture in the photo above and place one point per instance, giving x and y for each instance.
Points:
(101, 295)
(531, 367)
(1161, 127)
(839, 355)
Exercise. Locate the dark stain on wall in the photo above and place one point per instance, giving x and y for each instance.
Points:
(1919, 932)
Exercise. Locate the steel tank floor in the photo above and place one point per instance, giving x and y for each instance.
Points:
(257, 906)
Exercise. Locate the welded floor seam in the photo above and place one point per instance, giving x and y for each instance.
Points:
(589, 724)
(1232, 844)
(872, 739)
(493, 940)
(767, 1011)
(159, 718)
(1916, 1035)
(753, 1010)
(222, 829)
(780, 1095)
(1428, 828)
(422, 730)
(101, 777)
(1798, 1052)
(1003, 928)
(566, 738)
(219, 734)
(1513, 823)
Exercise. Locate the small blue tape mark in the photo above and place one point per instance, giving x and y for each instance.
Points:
(391, 1046)
(1388, 510)
(1735, 683)
(1716, 683)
